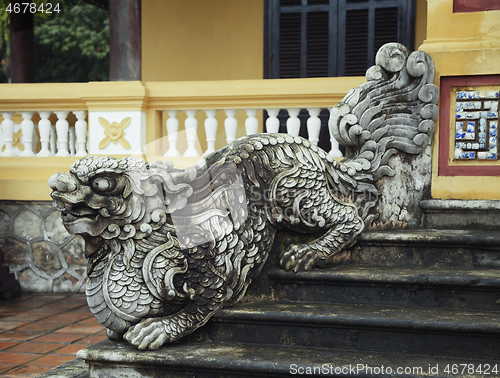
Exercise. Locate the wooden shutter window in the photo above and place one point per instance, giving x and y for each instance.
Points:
(317, 44)
(321, 38)
(386, 26)
(289, 45)
(285, 3)
(356, 42)
(314, 2)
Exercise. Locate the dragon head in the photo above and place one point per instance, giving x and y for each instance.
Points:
(114, 202)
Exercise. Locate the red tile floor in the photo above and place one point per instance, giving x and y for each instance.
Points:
(39, 332)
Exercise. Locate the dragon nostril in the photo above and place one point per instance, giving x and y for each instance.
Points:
(62, 182)
(53, 181)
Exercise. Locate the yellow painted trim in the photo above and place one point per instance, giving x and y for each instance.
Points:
(466, 188)
(115, 95)
(25, 178)
(135, 95)
(43, 96)
(242, 94)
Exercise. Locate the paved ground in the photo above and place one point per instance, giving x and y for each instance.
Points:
(38, 332)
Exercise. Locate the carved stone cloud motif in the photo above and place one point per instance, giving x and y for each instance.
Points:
(167, 248)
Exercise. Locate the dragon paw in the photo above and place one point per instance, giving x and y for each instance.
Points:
(113, 335)
(299, 257)
(148, 334)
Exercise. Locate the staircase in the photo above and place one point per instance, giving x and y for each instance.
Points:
(399, 303)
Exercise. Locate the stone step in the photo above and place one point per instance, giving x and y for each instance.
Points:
(72, 369)
(391, 329)
(422, 287)
(112, 359)
(426, 248)
(461, 214)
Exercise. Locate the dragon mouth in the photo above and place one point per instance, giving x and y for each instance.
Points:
(79, 211)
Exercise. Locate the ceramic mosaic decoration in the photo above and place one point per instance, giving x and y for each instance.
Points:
(476, 125)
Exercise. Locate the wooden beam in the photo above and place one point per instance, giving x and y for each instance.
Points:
(125, 39)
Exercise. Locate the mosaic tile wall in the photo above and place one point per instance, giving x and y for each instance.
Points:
(476, 124)
(38, 249)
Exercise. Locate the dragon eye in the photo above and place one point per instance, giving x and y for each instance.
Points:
(104, 184)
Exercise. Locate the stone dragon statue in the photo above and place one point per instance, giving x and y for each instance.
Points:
(167, 248)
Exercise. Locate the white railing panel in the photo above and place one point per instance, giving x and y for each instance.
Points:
(172, 130)
(44, 127)
(251, 124)
(43, 139)
(230, 125)
(191, 125)
(211, 125)
(81, 132)
(62, 139)
(8, 133)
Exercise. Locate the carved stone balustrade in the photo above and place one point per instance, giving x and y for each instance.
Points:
(181, 121)
(43, 133)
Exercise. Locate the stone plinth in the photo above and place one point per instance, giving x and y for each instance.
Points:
(461, 214)
(113, 359)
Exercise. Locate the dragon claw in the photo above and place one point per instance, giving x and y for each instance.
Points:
(298, 258)
(148, 334)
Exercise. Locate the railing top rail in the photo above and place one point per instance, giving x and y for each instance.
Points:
(319, 92)
(228, 94)
(42, 96)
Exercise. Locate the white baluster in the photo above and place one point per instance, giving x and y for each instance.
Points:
(191, 126)
(313, 125)
(72, 141)
(251, 123)
(8, 133)
(44, 128)
(27, 127)
(210, 130)
(231, 125)
(272, 122)
(53, 139)
(81, 132)
(172, 130)
(335, 151)
(62, 129)
(293, 122)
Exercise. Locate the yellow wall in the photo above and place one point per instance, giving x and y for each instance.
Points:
(202, 39)
(461, 44)
(420, 23)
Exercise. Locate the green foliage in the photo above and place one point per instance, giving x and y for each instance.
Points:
(70, 46)
(73, 47)
(5, 20)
